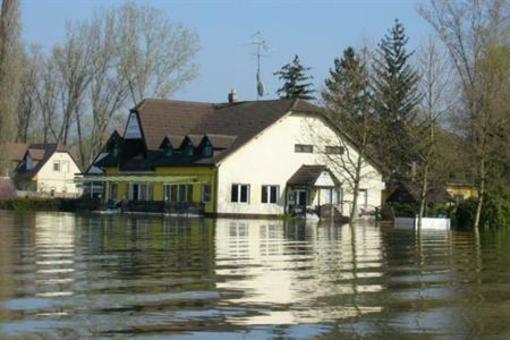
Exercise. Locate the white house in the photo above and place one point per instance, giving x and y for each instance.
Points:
(47, 169)
(254, 158)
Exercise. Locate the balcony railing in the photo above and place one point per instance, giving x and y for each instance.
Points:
(164, 207)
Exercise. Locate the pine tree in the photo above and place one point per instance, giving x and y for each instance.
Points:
(348, 97)
(296, 83)
(395, 86)
(347, 92)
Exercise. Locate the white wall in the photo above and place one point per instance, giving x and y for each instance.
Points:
(269, 159)
(62, 182)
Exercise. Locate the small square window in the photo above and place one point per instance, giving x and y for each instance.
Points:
(56, 166)
(303, 148)
(334, 150)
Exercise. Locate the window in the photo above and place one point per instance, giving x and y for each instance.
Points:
(205, 193)
(334, 150)
(270, 193)
(207, 151)
(179, 193)
(189, 150)
(303, 148)
(169, 151)
(141, 192)
(56, 166)
(115, 151)
(240, 193)
(113, 191)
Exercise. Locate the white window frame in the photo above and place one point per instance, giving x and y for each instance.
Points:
(238, 198)
(169, 188)
(268, 188)
(145, 191)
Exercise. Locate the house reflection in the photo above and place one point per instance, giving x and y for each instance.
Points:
(320, 275)
(55, 253)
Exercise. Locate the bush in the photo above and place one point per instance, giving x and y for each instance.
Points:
(495, 212)
(48, 204)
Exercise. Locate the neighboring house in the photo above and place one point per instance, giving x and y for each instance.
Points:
(254, 158)
(16, 153)
(46, 169)
(405, 191)
(462, 190)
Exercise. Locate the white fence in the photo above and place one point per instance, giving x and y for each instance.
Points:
(431, 223)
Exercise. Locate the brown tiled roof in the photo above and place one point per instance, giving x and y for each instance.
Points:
(40, 154)
(16, 151)
(237, 122)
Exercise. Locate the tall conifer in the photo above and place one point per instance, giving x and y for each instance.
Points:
(296, 84)
(396, 93)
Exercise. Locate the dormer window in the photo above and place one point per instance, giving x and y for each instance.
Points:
(207, 150)
(115, 151)
(189, 150)
(169, 151)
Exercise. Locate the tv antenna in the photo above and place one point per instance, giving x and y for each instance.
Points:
(261, 45)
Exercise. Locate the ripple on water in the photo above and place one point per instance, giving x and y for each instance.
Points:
(67, 276)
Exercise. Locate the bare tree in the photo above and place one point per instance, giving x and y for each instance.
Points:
(468, 28)
(10, 28)
(109, 86)
(28, 103)
(434, 84)
(348, 98)
(72, 59)
(156, 54)
(48, 97)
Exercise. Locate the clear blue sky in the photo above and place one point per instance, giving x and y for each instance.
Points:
(316, 30)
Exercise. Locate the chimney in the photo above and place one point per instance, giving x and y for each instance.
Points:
(232, 96)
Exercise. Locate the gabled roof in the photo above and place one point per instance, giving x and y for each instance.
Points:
(231, 124)
(307, 175)
(16, 151)
(40, 154)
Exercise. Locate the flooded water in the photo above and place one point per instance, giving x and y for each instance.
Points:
(63, 275)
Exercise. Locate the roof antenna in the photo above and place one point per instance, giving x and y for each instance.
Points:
(261, 45)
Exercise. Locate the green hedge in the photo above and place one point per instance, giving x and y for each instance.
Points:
(495, 212)
(48, 204)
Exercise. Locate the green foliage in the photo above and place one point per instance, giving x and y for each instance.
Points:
(347, 95)
(48, 204)
(405, 209)
(396, 94)
(296, 84)
(31, 204)
(495, 212)
(412, 210)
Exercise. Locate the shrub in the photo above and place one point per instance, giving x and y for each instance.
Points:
(495, 212)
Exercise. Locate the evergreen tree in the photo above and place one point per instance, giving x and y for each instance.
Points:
(296, 83)
(348, 97)
(347, 92)
(395, 87)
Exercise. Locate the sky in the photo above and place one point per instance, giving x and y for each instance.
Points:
(318, 31)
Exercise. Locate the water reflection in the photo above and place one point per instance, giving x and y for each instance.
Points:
(95, 276)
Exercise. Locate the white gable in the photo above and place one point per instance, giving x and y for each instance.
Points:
(133, 128)
(324, 180)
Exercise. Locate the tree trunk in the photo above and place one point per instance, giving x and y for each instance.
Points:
(357, 178)
(423, 196)
(481, 194)
(80, 140)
